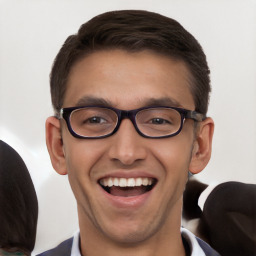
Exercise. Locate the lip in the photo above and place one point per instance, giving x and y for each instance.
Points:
(127, 202)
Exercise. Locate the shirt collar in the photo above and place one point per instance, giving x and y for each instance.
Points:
(195, 248)
(75, 251)
(186, 234)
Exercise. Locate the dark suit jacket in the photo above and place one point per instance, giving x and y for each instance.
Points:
(64, 249)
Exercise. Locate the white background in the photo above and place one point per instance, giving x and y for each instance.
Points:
(31, 33)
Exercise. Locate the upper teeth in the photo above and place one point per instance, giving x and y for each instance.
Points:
(123, 182)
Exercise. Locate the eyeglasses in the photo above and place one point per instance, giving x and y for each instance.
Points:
(93, 122)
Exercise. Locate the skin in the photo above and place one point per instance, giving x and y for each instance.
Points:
(148, 225)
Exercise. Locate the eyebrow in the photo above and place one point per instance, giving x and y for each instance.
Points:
(164, 101)
(90, 100)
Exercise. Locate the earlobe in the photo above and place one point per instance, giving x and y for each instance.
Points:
(55, 145)
(202, 149)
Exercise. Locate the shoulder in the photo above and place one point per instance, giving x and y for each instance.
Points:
(63, 249)
(208, 250)
(197, 246)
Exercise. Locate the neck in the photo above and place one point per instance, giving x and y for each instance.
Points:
(151, 247)
(166, 241)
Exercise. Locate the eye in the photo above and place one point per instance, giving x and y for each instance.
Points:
(95, 120)
(159, 121)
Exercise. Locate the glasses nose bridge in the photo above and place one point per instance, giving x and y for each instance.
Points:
(126, 114)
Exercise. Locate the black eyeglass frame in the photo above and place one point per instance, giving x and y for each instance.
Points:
(130, 114)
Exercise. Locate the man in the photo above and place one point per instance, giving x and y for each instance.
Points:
(130, 92)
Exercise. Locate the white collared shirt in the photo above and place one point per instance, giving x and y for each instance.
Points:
(75, 251)
(186, 234)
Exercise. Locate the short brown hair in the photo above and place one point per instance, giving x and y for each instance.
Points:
(133, 30)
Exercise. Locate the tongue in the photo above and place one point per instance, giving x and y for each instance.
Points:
(128, 191)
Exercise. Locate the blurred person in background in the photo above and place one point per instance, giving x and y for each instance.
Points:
(224, 215)
(18, 204)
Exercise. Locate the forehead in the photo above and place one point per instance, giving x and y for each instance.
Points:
(129, 80)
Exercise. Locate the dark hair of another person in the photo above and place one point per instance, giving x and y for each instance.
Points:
(133, 31)
(18, 203)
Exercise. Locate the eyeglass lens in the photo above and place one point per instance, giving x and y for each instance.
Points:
(158, 122)
(93, 122)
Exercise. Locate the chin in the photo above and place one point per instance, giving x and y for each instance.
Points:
(127, 236)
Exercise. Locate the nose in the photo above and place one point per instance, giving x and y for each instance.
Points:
(127, 145)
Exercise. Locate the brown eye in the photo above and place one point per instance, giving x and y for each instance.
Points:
(95, 120)
(159, 121)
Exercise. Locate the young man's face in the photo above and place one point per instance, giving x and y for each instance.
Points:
(129, 81)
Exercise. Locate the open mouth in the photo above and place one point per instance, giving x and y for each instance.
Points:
(127, 187)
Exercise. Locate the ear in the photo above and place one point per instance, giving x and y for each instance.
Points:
(202, 149)
(55, 145)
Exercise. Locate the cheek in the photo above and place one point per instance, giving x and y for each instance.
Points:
(175, 153)
(82, 155)
(174, 156)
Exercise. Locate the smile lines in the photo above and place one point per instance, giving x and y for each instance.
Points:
(123, 182)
